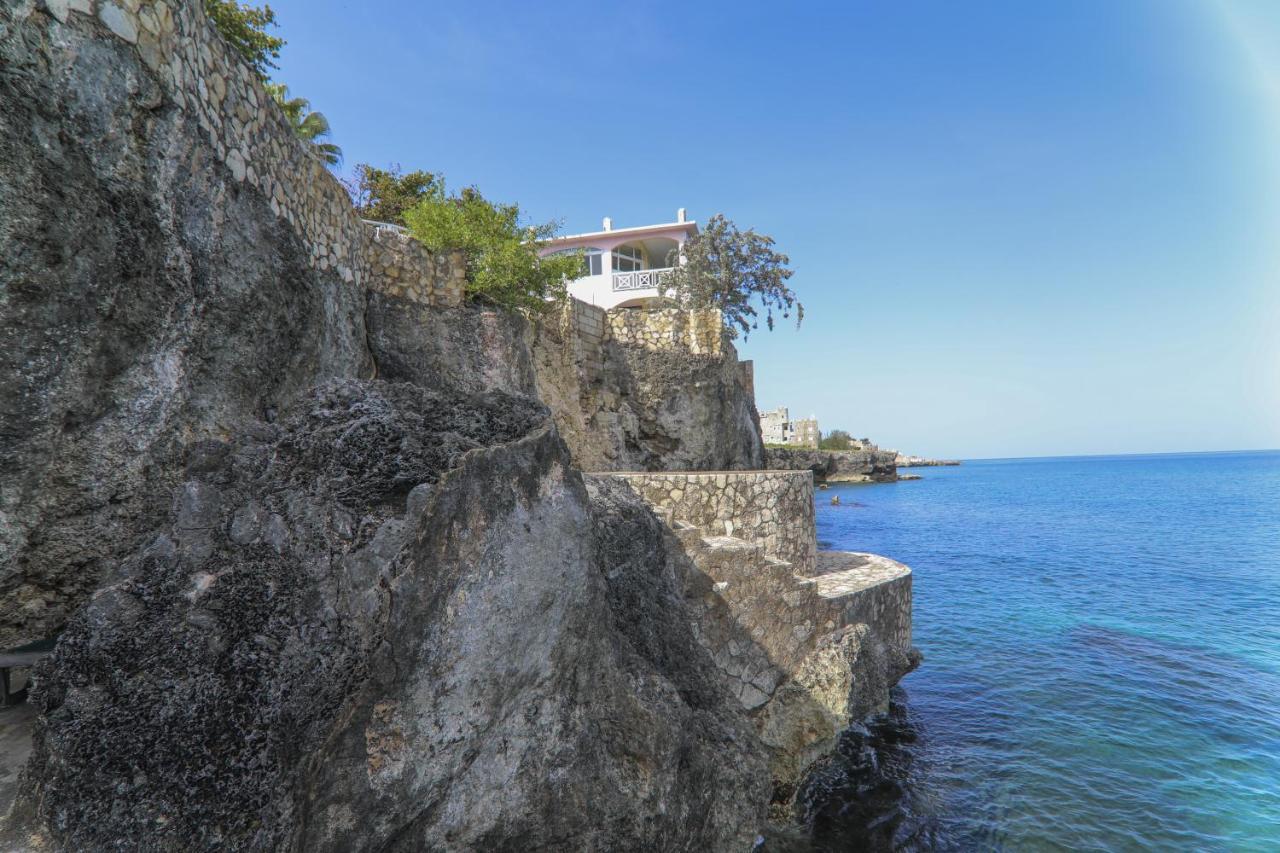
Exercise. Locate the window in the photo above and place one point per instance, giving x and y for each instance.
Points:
(592, 264)
(628, 259)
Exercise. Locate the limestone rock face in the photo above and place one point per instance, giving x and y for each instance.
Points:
(395, 622)
(634, 389)
(618, 406)
(693, 411)
(845, 679)
(470, 348)
(146, 298)
(835, 466)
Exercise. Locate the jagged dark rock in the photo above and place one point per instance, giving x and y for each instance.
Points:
(835, 466)
(315, 653)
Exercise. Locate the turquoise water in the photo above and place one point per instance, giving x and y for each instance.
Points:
(1102, 650)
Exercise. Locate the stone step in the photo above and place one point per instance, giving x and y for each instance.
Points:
(727, 558)
(844, 573)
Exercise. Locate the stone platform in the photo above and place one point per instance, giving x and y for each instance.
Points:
(752, 534)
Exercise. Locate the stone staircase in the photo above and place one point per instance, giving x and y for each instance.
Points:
(807, 640)
(772, 618)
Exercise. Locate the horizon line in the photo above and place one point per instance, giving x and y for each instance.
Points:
(1126, 453)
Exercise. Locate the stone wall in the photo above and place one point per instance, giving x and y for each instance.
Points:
(773, 509)
(806, 642)
(586, 329)
(699, 332)
(402, 267)
(865, 589)
(202, 76)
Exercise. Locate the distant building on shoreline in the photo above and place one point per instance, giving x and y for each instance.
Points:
(805, 432)
(776, 427)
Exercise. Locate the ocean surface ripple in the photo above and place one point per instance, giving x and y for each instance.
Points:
(1102, 656)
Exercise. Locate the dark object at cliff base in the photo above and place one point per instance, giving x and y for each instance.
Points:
(860, 799)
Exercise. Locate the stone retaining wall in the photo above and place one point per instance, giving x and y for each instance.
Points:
(700, 332)
(401, 267)
(199, 73)
(773, 509)
(865, 589)
(590, 323)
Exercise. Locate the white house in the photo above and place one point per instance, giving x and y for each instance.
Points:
(622, 267)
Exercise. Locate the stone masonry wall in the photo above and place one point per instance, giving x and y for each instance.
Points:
(700, 332)
(402, 267)
(201, 75)
(773, 509)
(882, 599)
(587, 327)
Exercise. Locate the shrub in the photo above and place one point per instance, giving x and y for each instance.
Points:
(245, 29)
(503, 264)
(837, 439)
(383, 195)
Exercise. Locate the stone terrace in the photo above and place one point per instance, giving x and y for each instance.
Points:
(752, 534)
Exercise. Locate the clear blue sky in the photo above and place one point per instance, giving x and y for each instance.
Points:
(1018, 228)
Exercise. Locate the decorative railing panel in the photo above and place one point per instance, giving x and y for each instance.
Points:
(640, 279)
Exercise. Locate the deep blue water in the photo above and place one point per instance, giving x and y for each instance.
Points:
(1102, 649)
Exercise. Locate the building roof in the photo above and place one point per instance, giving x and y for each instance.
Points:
(688, 226)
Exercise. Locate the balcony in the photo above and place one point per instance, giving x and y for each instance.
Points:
(640, 279)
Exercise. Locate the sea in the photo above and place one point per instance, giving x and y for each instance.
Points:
(1102, 657)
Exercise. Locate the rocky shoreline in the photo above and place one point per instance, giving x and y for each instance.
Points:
(904, 461)
(835, 466)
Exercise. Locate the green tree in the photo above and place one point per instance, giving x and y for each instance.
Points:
(310, 126)
(245, 28)
(837, 439)
(733, 270)
(503, 262)
(383, 195)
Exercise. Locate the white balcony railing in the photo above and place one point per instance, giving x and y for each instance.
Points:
(640, 279)
(380, 227)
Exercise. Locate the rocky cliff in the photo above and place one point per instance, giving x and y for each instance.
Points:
(392, 621)
(160, 288)
(627, 401)
(150, 298)
(835, 466)
(311, 528)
